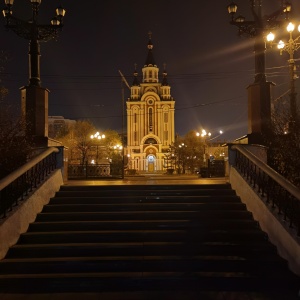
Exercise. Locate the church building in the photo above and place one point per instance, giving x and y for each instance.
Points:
(150, 118)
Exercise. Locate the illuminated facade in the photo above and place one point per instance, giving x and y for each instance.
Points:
(150, 118)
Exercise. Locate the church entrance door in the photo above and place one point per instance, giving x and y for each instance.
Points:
(151, 161)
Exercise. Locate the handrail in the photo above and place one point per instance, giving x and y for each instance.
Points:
(272, 186)
(269, 171)
(17, 173)
(19, 183)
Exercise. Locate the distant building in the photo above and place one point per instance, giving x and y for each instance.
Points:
(56, 123)
(150, 118)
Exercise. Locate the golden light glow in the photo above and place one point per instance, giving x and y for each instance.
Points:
(98, 136)
(290, 27)
(281, 44)
(270, 37)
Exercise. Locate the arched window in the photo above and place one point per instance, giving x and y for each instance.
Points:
(150, 120)
(166, 117)
(151, 141)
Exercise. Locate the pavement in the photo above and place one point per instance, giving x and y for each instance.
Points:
(152, 179)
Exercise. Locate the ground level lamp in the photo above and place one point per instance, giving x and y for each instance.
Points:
(34, 98)
(259, 93)
(290, 47)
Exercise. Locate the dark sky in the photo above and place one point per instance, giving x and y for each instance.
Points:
(209, 67)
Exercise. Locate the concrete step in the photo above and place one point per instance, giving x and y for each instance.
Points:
(206, 236)
(144, 215)
(143, 207)
(144, 199)
(244, 251)
(192, 238)
(146, 187)
(250, 267)
(144, 193)
(263, 287)
(226, 224)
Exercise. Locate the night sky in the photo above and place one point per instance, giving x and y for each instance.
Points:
(209, 67)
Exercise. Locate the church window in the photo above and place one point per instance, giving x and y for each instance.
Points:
(166, 117)
(150, 116)
(135, 118)
(166, 135)
(150, 141)
(135, 136)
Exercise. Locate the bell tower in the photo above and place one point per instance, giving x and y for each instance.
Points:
(150, 117)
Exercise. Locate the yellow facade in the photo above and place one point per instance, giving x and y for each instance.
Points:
(150, 119)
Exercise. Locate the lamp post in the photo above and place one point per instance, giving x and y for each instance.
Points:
(34, 98)
(207, 170)
(204, 134)
(290, 47)
(120, 150)
(181, 152)
(97, 136)
(207, 138)
(259, 104)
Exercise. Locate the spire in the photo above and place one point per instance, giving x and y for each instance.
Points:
(165, 80)
(150, 59)
(135, 79)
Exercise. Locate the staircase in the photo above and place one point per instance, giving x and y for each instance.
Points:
(173, 240)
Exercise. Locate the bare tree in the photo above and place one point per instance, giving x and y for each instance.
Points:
(77, 139)
(15, 146)
(283, 142)
(82, 148)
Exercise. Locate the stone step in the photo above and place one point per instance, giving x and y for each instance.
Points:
(145, 215)
(143, 187)
(206, 236)
(192, 238)
(144, 193)
(250, 267)
(143, 225)
(145, 199)
(244, 251)
(270, 288)
(143, 207)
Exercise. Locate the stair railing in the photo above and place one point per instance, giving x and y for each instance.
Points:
(272, 187)
(17, 185)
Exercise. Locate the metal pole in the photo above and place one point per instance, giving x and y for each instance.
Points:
(259, 45)
(293, 94)
(260, 59)
(123, 158)
(34, 62)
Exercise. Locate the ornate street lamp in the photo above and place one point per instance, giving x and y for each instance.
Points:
(259, 104)
(290, 47)
(34, 98)
(207, 138)
(97, 136)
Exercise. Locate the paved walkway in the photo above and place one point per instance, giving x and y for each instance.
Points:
(152, 179)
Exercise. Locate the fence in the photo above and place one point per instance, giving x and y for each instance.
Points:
(273, 188)
(16, 186)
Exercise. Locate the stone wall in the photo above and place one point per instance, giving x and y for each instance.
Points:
(18, 220)
(280, 235)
